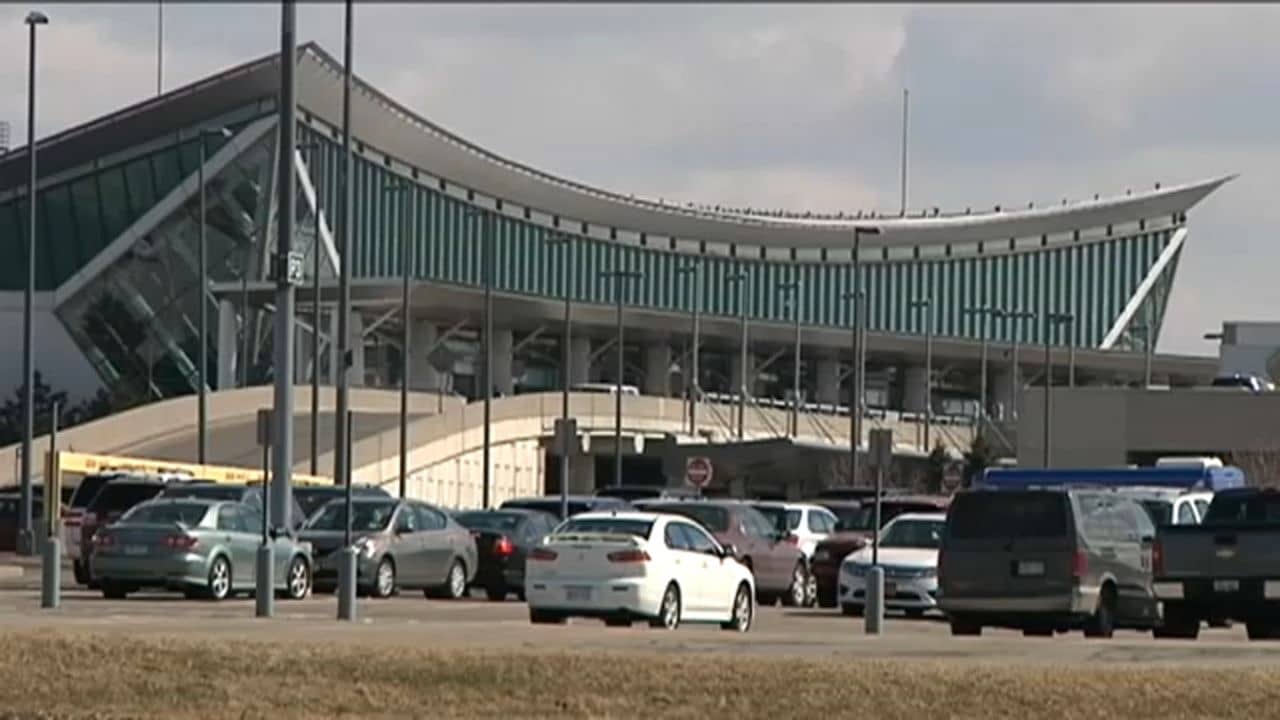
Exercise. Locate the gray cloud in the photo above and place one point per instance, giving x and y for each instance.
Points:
(783, 105)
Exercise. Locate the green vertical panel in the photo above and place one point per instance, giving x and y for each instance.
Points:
(167, 172)
(115, 203)
(90, 224)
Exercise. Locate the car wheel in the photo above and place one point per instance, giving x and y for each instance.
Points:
(743, 611)
(798, 591)
(542, 617)
(496, 593)
(851, 610)
(810, 589)
(219, 584)
(114, 590)
(455, 586)
(669, 611)
(965, 626)
(299, 579)
(384, 579)
(1103, 622)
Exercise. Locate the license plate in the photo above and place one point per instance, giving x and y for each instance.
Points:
(1030, 568)
(135, 549)
(577, 594)
(1226, 586)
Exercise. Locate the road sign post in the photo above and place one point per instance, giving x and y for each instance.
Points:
(879, 458)
(698, 472)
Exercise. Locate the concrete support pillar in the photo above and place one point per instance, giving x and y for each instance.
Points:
(579, 360)
(503, 382)
(423, 375)
(1003, 399)
(228, 345)
(915, 389)
(735, 373)
(657, 370)
(302, 351)
(828, 381)
(355, 343)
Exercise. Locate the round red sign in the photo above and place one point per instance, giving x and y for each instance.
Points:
(697, 471)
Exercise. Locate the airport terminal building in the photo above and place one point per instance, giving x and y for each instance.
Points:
(119, 293)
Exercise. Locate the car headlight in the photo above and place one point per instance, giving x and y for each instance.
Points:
(365, 547)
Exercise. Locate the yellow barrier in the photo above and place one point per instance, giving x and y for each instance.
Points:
(59, 463)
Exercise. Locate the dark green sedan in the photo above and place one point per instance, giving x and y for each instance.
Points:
(204, 548)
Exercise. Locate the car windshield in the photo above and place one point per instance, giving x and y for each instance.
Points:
(165, 513)
(925, 534)
(496, 521)
(365, 516)
(715, 519)
(1160, 511)
(1247, 509)
(212, 492)
(608, 526)
(776, 516)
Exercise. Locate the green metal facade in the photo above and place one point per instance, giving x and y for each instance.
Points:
(1091, 280)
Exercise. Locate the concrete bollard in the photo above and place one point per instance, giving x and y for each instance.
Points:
(51, 573)
(266, 590)
(873, 611)
(347, 584)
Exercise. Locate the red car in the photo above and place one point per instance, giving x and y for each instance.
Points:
(854, 532)
(776, 561)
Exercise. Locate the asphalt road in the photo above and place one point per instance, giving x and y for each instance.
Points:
(411, 620)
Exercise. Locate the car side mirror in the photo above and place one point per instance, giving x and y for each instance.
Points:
(728, 551)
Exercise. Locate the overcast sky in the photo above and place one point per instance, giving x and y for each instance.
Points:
(782, 106)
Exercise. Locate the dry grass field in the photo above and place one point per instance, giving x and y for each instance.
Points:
(61, 674)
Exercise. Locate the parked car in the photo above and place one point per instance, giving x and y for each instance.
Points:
(805, 524)
(1170, 506)
(399, 544)
(853, 532)
(847, 512)
(204, 548)
(629, 566)
(908, 555)
(313, 497)
(250, 495)
(1223, 568)
(861, 494)
(779, 567)
(81, 496)
(116, 497)
(1042, 560)
(10, 510)
(577, 504)
(631, 493)
(503, 540)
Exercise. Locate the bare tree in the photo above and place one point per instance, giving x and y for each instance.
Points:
(1261, 467)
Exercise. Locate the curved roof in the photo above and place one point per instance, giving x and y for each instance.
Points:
(381, 123)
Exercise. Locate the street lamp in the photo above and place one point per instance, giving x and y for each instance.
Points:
(793, 288)
(202, 415)
(342, 417)
(618, 276)
(740, 280)
(926, 304)
(858, 350)
(26, 535)
(986, 314)
(566, 359)
(1051, 321)
(402, 188)
(693, 270)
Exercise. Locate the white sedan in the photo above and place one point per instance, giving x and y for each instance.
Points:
(626, 566)
(909, 558)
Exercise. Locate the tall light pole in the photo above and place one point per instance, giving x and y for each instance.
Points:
(858, 296)
(342, 416)
(739, 279)
(566, 360)
(403, 190)
(1051, 321)
(926, 305)
(793, 288)
(695, 272)
(618, 276)
(26, 535)
(285, 270)
(202, 413)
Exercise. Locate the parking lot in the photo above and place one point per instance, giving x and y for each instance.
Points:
(411, 620)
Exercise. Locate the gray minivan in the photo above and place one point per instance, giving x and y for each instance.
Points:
(1046, 559)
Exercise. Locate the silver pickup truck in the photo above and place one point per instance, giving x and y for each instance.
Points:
(1228, 567)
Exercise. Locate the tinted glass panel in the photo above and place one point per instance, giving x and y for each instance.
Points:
(87, 489)
(365, 516)
(430, 519)
(715, 519)
(496, 521)
(1244, 509)
(699, 540)
(1000, 514)
(188, 514)
(611, 526)
(1186, 516)
(675, 538)
(1160, 511)
(924, 534)
(776, 516)
(116, 496)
